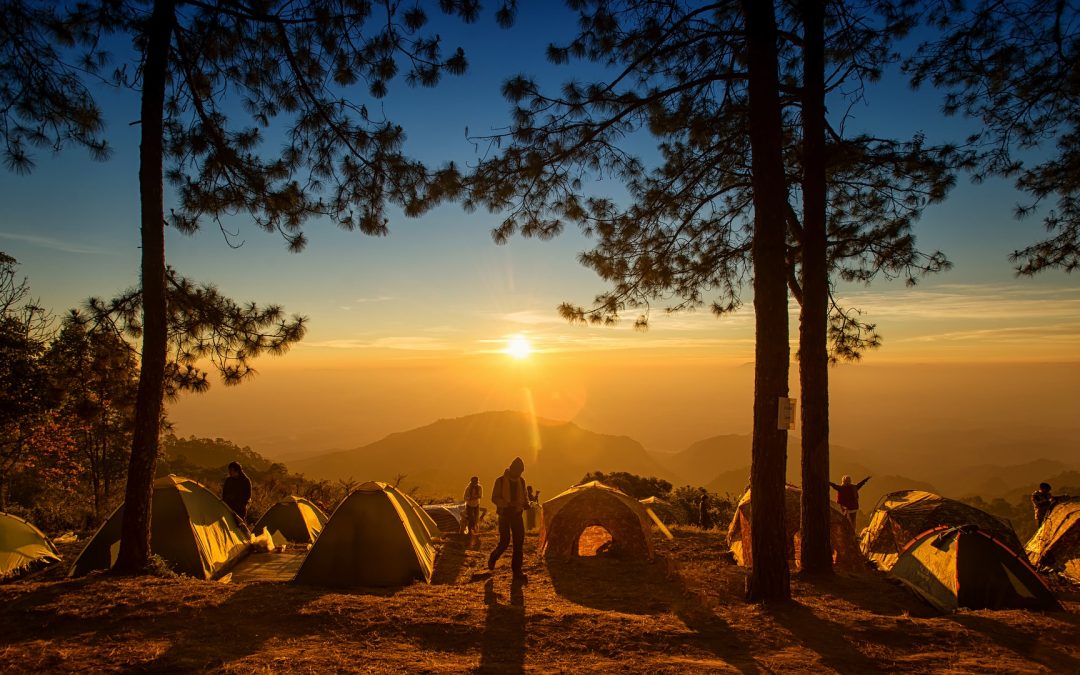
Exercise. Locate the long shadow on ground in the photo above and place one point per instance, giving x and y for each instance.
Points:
(1022, 642)
(502, 647)
(643, 587)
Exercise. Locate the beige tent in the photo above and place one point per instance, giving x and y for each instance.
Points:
(665, 511)
(22, 547)
(377, 536)
(566, 516)
(842, 535)
(901, 516)
(295, 518)
(190, 528)
(1056, 544)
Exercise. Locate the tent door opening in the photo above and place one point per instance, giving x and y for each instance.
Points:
(594, 540)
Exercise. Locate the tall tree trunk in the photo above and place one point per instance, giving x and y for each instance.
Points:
(815, 555)
(134, 554)
(769, 578)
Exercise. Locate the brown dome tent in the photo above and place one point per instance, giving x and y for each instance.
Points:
(1056, 544)
(901, 516)
(845, 545)
(567, 515)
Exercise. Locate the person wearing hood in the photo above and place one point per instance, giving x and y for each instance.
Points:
(236, 492)
(511, 499)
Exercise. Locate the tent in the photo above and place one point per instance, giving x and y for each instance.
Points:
(297, 519)
(845, 546)
(22, 547)
(190, 528)
(377, 536)
(567, 515)
(1056, 544)
(447, 516)
(665, 511)
(953, 567)
(901, 516)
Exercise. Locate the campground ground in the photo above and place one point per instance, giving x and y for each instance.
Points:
(683, 612)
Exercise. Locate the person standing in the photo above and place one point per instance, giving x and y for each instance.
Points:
(847, 496)
(704, 516)
(474, 492)
(236, 492)
(510, 498)
(1043, 501)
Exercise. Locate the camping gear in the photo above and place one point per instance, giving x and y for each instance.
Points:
(297, 519)
(1056, 544)
(448, 517)
(953, 567)
(665, 511)
(23, 547)
(740, 533)
(901, 516)
(377, 536)
(566, 516)
(190, 528)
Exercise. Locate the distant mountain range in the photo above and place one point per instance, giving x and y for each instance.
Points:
(438, 459)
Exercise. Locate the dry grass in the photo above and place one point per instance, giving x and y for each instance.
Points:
(681, 613)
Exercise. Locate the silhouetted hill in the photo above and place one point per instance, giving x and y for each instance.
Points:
(440, 457)
(211, 453)
(992, 480)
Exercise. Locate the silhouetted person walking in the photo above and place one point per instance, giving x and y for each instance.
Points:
(1043, 501)
(474, 492)
(510, 500)
(236, 492)
(847, 496)
(704, 517)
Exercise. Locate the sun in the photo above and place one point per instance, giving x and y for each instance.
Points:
(519, 347)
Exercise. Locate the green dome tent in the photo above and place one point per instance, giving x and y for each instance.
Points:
(377, 536)
(901, 516)
(22, 547)
(1056, 544)
(953, 567)
(296, 518)
(190, 528)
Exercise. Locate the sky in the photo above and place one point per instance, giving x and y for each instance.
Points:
(414, 326)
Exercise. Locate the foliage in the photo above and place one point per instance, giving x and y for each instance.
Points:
(721, 507)
(203, 326)
(1011, 64)
(44, 98)
(638, 487)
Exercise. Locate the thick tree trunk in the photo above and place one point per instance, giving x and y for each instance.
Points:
(769, 578)
(134, 554)
(815, 556)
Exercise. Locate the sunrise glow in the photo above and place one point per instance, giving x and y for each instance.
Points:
(519, 347)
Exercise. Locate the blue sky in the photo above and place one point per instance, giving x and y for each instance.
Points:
(439, 285)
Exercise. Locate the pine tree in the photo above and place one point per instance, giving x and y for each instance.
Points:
(293, 67)
(688, 231)
(1011, 64)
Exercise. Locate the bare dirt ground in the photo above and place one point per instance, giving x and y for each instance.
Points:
(681, 613)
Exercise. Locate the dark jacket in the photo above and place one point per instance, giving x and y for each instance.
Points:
(236, 492)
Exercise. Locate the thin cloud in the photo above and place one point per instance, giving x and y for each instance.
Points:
(380, 298)
(969, 302)
(54, 244)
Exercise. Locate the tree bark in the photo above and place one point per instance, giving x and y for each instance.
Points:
(769, 578)
(134, 554)
(815, 554)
